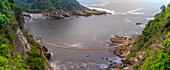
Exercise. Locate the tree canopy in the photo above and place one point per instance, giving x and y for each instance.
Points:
(41, 5)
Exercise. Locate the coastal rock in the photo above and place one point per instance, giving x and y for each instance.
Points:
(47, 55)
(87, 55)
(27, 15)
(83, 11)
(139, 23)
(122, 51)
(21, 43)
(80, 13)
(45, 49)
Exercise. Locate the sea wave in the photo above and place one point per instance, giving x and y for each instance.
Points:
(127, 20)
(108, 11)
(142, 25)
(149, 18)
(100, 4)
(113, 12)
(78, 45)
(60, 65)
(135, 11)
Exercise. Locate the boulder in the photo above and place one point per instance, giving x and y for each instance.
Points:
(139, 23)
(45, 49)
(47, 55)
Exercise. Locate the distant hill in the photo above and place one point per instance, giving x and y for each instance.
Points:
(37, 6)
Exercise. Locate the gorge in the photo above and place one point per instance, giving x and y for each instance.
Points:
(79, 26)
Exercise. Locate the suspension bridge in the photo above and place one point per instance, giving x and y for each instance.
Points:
(76, 48)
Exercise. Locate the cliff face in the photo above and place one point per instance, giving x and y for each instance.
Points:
(18, 50)
(21, 43)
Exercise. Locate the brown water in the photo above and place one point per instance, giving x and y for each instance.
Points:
(93, 32)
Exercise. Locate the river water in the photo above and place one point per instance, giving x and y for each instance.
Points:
(93, 31)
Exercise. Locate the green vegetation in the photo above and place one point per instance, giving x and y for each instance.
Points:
(35, 60)
(41, 5)
(11, 18)
(155, 40)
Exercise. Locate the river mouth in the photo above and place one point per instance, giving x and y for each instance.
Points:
(91, 32)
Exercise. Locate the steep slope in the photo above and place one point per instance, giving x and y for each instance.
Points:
(155, 43)
(18, 51)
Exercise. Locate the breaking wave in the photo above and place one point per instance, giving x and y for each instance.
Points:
(78, 45)
(135, 11)
(108, 11)
(127, 20)
(149, 18)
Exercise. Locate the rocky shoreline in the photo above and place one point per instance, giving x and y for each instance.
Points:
(61, 14)
(122, 52)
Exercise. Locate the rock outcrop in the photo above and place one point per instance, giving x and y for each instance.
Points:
(21, 43)
(46, 52)
(121, 52)
(61, 14)
(139, 23)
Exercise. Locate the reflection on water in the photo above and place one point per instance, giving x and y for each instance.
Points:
(93, 32)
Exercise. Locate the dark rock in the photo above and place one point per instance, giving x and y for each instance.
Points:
(45, 49)
(139, 23)
(106, 58)
(87, 55)
(27, 15)
(103, 58)
(110, 61)
(47, 55)
(115, 62)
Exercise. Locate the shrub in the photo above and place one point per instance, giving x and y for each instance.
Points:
(3, 61)
(132, 54)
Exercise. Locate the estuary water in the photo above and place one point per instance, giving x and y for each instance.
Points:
(93, 31)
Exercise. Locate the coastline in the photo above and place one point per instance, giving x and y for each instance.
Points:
(60, 14)
(122, 52)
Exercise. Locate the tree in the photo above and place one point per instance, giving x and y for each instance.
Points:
(163, 8)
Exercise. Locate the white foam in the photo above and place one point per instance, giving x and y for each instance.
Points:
(103, 66)
(127, 20)
(108, 11)
(52, 53)
(102, 4)
(141, 25)
(60, 65)
(79, 45)
(135, 11)
(105, 4)
(150, 18)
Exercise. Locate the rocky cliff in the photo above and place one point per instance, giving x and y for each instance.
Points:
(21, 44)
(150, 51)
(18, 50)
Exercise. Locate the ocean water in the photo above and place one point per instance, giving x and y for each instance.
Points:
(93, 31)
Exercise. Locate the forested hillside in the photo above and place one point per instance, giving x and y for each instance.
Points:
(41, 5)
(11, 22)
(155, 42)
